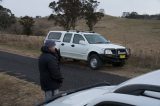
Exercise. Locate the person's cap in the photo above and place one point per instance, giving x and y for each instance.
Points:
(49, 43)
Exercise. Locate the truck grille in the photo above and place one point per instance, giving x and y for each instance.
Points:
(121, 51)
(118, 51)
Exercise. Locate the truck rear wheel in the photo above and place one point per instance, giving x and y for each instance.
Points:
(94, 62)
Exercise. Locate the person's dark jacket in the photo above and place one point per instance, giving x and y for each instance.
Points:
(50, 75)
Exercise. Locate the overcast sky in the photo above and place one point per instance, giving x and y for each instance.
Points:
(112, 7)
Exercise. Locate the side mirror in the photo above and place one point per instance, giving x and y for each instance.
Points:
(82, 42)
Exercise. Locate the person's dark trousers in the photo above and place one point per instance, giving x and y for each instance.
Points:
(50, 94)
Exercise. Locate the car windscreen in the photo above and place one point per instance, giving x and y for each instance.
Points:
(54, 35)
(96, 39)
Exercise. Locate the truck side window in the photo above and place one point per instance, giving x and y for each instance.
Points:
(67, 37)
(55, 35)
(77, 38)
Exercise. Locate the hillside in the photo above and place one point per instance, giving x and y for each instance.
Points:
(141, 36)
(135, 34)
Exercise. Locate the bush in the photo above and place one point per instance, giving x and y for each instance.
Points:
(27, 23)
(39, 33)
(6, 18)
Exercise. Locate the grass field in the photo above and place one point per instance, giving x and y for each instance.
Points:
(21, 44)
(15, 92)
(141, 36)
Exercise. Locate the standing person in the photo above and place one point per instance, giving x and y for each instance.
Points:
(49, 68)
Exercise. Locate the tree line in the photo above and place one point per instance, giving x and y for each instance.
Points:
(66, 13)
(7, 19)
(135, 15)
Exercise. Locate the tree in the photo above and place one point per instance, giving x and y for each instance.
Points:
(6, 18)
(27, 23)
(90, 14)
(67, 12)
(51, 17)
(63, 20)
(133, 15)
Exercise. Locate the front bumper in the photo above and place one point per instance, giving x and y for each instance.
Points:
(113, 58)
(118, 55)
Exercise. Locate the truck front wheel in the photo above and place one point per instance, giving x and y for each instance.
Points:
(94, 62)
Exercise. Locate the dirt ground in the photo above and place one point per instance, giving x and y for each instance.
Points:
(126, 71)
(16, 92)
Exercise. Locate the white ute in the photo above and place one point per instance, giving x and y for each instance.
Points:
(139, 91)
(88, 46)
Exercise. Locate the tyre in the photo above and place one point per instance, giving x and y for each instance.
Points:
(119, 64)
(94, 62)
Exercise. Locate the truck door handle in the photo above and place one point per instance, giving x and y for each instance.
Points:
(62, 44)
(73, 45)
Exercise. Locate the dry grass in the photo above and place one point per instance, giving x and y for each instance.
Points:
(20, 51)
(15, 92)
(28, 42)
(142, 36)
(22, 44)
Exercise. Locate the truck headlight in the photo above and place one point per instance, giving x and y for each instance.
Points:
(108, 51)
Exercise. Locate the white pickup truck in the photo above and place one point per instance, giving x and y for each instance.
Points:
(91, 47)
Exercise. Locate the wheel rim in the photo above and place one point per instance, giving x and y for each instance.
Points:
(93, 62)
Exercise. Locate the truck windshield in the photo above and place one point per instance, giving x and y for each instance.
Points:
(95, 39)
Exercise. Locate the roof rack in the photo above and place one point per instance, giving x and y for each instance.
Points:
(73, 31)
(80, 31)
(89, 31)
